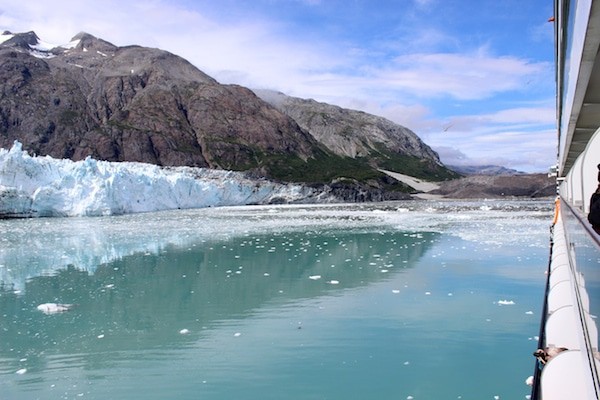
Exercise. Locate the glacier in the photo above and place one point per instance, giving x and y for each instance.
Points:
(36, 186)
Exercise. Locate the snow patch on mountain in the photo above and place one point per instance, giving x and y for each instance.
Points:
(34, 45)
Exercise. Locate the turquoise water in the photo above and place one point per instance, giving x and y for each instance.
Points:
(377, 301)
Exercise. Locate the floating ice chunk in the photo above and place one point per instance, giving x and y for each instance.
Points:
(395, 291)
(266, 274)
(409, 398)
(496, 397)
(427, 293)
(506, 302)
(21, 371)
(237, 334)
(184, 331)
(333, 282)
(314, 277)
(529, 381)
(406, 362)
(101, 336)
(529, 312)
(54, 308)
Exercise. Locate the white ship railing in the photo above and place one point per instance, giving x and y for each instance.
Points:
(567, 321)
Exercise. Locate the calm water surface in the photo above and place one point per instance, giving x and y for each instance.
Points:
(379, 301)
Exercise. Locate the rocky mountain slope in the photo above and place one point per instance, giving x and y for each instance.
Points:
(504, 186)
(134, 104)
(92, 98)
(356, 134)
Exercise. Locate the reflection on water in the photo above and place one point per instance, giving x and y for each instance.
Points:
(319, 304)
(141, 298)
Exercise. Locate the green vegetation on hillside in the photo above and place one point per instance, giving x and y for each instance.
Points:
(326, 167)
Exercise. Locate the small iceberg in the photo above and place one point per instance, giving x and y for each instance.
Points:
(506, 302)
(314, 277)
(54, 308)
(529, 381)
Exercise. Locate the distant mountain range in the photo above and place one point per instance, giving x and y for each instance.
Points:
(92, 98)
(484, 170)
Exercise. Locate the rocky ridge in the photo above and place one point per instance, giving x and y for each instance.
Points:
(92, 98)
(348, 132)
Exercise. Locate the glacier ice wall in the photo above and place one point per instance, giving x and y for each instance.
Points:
(44, 186)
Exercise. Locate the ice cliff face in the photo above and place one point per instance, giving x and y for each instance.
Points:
(44, 186)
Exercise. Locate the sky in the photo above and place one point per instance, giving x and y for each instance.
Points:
(474, 79)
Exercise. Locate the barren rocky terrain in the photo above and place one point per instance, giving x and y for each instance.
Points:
(501, 186)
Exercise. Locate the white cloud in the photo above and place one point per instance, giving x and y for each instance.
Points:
(522, 138)
(461, 76)
(527, 150)
(535, 115)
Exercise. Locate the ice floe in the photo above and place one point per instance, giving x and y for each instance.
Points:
(506, 302)
(54, 308)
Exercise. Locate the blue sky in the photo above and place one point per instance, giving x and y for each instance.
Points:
(474, 79)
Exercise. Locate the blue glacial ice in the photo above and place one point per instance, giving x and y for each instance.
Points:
(44, 186)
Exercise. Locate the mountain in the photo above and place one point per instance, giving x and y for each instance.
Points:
(484, 170)
(92, 98)
(359, 135)
(498, 186)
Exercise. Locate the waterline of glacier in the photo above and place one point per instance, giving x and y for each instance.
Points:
(422, 299)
